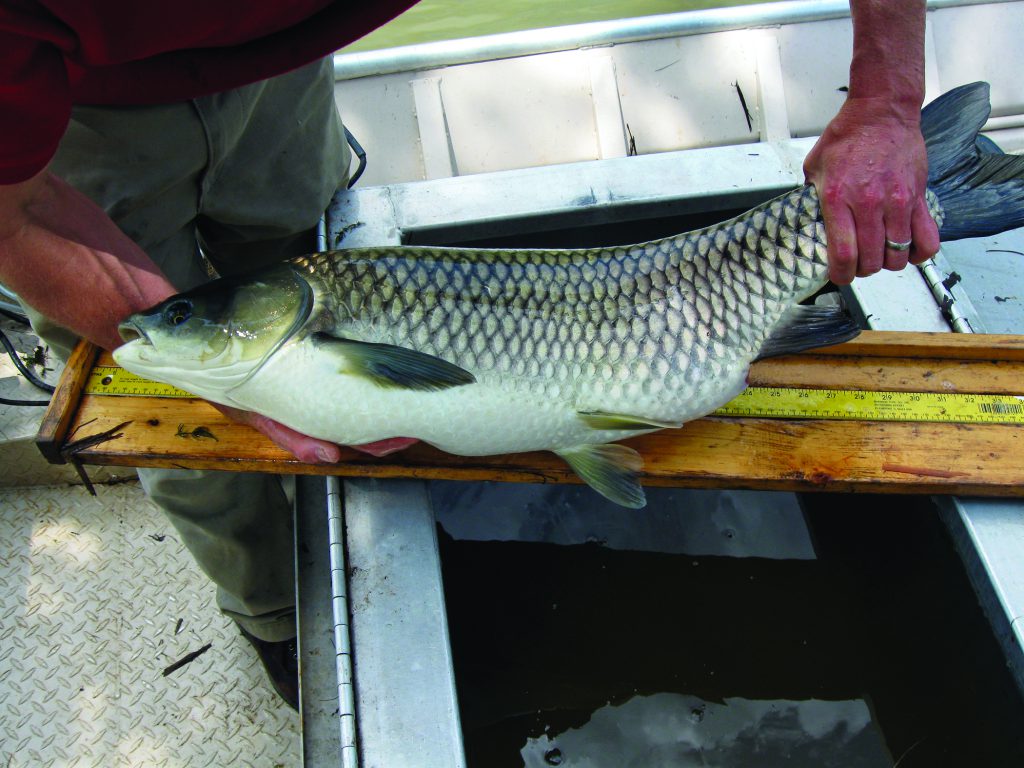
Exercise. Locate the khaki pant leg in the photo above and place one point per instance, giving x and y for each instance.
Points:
(272, 181)
(239, 528)
(143, 166)
(153, 169)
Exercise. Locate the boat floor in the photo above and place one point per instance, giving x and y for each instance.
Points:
(97, 598)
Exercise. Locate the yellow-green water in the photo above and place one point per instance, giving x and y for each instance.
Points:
(432, 20)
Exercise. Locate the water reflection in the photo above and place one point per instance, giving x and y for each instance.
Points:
(670, 730)
(675, 520)
(566, 655)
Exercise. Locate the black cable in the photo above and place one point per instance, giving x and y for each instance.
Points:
(15, 316)
(5, 401)
(16, 359)
(360, 153)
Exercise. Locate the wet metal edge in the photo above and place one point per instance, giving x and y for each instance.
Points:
(989, 535)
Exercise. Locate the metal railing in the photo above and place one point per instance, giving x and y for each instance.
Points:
(411, 58)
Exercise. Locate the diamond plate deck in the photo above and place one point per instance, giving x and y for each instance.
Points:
(91, 593)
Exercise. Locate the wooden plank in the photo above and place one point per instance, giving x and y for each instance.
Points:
(897, 361)
(878, 374)
(951, 346)
(56, 423)
(887, 457)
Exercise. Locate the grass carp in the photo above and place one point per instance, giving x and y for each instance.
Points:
(496, 351)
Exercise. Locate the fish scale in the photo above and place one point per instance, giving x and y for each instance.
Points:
(499, 351)
(477, 302)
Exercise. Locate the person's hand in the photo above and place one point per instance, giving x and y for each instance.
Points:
(308, 449)
(871, 171)
(63, 256)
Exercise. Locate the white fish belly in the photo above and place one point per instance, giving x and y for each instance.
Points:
(305, 390)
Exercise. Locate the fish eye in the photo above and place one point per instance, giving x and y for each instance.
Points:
(178, 312)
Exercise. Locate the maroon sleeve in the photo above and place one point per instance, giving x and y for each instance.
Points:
(55, 53)
(35, 105)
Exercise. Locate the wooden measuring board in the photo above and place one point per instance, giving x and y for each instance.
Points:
(967, 455)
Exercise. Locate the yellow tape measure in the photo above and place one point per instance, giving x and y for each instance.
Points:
(762, 402)
(114, 380)
(865, 405)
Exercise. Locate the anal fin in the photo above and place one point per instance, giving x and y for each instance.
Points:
(625, 422)
(610, 469)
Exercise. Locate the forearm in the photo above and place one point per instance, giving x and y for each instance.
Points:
(870, 166)
(64, 257)
(888, 53)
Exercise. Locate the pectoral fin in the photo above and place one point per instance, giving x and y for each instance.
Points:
(389, 366)
(604, 420)
(611, 470)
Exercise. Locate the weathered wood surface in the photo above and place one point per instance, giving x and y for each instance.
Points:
(813, 454)
(57, 420)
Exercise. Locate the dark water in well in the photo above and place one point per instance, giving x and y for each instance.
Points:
(874, 654)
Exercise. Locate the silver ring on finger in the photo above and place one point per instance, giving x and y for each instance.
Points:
(898, 246)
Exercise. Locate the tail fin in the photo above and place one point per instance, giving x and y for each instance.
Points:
(981, 192)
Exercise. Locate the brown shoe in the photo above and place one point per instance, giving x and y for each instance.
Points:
(281, 660)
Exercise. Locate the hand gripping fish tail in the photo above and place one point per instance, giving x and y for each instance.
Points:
(500, 351)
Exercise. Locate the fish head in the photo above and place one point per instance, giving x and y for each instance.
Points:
(211, 339)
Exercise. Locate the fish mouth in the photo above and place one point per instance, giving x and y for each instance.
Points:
(130, 331)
